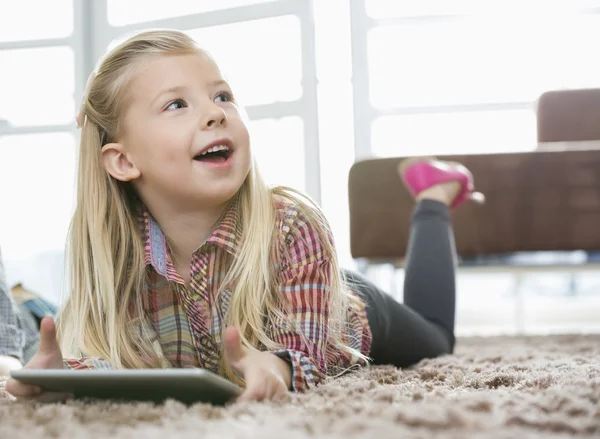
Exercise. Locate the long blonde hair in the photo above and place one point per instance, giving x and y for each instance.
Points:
(106, 254)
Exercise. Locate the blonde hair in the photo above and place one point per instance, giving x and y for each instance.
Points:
(106, 252)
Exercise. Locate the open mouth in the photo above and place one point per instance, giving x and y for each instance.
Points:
(216, 154)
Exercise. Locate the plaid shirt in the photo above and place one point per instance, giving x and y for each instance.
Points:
(188, 322)
(19, 336)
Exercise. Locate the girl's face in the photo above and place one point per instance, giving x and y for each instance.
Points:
(184, 141)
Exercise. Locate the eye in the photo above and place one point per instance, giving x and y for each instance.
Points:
(224, 96)
(176, 105)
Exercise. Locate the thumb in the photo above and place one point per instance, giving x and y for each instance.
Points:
(234, 351)
(48, 343)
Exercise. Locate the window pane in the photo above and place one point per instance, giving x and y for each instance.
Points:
(121, 13)
(336, 145)
(443, 63)
(278, 145)
(37, 88)
(573, 66)
(261, 58)
(422, 8)
(37, 189)
(454, 133)
(36, 20)
(389, 9)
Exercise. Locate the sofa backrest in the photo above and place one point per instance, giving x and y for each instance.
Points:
(535, 201)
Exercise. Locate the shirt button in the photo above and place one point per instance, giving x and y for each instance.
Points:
(197, 276)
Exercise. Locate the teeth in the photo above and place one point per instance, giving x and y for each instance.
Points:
(215, 149)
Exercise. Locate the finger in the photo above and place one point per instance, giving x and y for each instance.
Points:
(254, 393)
(48, 343)
(281, 392)
(275, 390)
(233, 349)
(256, 387)
(20, 390)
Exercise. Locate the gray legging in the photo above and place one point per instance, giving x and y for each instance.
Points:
(422, 327)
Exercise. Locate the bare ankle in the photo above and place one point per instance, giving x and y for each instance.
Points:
(444, 193)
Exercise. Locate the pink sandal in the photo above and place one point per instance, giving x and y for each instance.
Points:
(420, 173)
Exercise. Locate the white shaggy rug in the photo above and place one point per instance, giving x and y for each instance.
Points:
(497, 387)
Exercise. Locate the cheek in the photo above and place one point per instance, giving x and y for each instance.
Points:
(242, 134)
(160, 148)
(245, 140)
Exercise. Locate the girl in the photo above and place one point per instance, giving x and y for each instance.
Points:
(181, 256)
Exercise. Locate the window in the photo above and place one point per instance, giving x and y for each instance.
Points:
(379, 9)
(383, 9)
(38, 87)
(258, 77)
(463, 77)
(38, 55)
(475, 60)
(454, 133)
(122, 13)
(36, 20)
(37, 189)
(278, 145)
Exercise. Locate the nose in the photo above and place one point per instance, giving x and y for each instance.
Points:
(214, 116)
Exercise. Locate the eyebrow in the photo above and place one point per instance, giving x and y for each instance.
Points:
(217, 82)
(181, 88)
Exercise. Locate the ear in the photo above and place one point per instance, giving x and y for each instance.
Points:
(117, 164)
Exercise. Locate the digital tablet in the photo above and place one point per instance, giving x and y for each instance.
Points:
(156, 385)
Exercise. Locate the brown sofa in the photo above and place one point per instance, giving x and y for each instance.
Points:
(569, 115)
(542, 200)
(545, 200)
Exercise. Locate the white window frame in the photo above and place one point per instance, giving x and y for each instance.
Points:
(76, 41)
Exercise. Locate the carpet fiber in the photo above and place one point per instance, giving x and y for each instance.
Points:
(499, 387)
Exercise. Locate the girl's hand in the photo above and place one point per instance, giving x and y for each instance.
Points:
(267, 376)
(48, 356)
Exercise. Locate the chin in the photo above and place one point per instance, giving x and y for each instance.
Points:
(222, 196)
